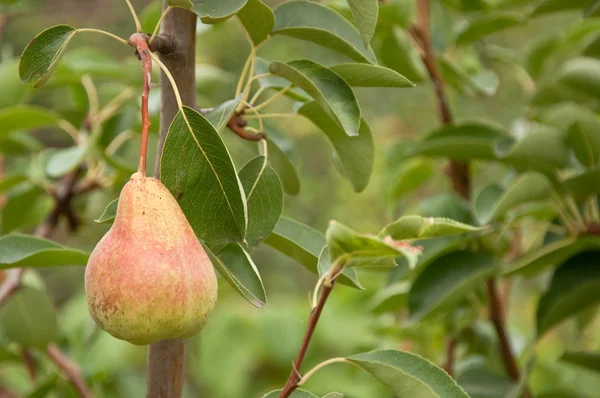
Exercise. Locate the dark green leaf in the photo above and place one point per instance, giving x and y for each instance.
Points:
(446, 280)
(215, 11)
(284, 167)
(367, 75)
(551, 254)
(365, 14)
(29, 318)
(18, 250)
(583, 185)
(488, 23)
(574, 287)
(277, 82)
(220, 116)
(408, 375)
(392, 298)
(26, 206)
(236, 266)
(25, 117)
(586, 359)
(584, 138)
(109, 213)
(541, 149)
(258, 20)
(356, 153)
(326, 87)
(320, 24)
(264, 197)
(464, 141)
(550, 6)
(582, 75)
(528, 187)
(417, 227)
(360, 250)
(42, 54)
(150, 15)
(409, 176)
(485, 82)
(9, 180)
(197, 168)
(398, 53)
(298, 241)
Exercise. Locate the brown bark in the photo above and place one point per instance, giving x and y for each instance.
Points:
(166, 358)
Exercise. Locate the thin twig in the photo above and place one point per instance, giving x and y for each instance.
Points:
(292, 382)
(69, 369)
(237, 125)
(450, 356)
(138, 41)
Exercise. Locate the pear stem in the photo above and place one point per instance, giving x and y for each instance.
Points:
(138, 41)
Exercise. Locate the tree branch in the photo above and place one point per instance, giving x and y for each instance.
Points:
(237, 124)
(69, 369)
(292, 382)
(166, 358)
(459, 173)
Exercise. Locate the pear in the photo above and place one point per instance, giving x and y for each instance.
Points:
(149, 278)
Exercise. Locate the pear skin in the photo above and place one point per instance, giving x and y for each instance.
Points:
(149, 278)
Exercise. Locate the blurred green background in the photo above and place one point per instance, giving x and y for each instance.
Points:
(243, 351)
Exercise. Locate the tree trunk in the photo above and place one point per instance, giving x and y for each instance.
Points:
(166, 359)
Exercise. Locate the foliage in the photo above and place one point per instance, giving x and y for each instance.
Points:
(519, 126)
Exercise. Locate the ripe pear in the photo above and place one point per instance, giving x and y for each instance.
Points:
(149, 278)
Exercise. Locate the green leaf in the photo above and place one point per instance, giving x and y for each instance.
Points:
(13, 89)
(109, 213)
(187, 4)
(26, 207)
(392, 298)
(480, 382)
(365, 14)
(417, 227)
(551, 254)
(17, 250)
(236, 266)
(9, 180)
(398, 53)
(334, 395)
(528, 187)
(258, 20)
(356, 153)
(29, 318)
(446, 280)
(488, 23)
(586, 359)
(464, 141)
(485, 82)
(584, 138)
(215, 11)
(197, 168)
(584, 184)
(284, 167)
(42, 54)
(574, 288)
(298, 241)
(542, 149)
(326, 87)
(320, 24)
(64, 160)
(408, 375)
(25, 117)
(264, 197)
(550, 6)
(367, 75)
(277, 82)
(296, 394)
(150, 15)
(348, 277)
(582, 75)
(220, 116)
(361, 250)
(409, 176)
